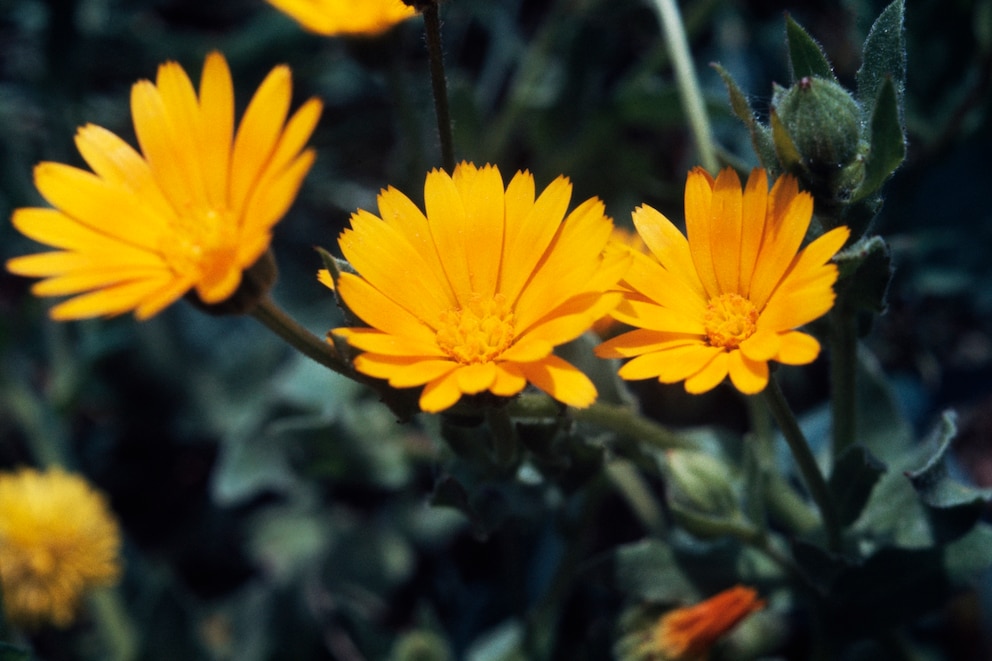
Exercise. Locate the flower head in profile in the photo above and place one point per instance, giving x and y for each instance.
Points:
(340, 17)
(688, 633)
(58, 539)
(192, 211)
(727, 298)
(474, 295)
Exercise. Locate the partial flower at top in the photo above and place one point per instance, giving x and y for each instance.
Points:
(727, 299)
(474, 296)
(58, 540)
(354, 17)
(193, 210)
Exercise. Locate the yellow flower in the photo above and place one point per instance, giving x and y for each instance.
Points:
(685, 634)
(475, 295)
(58, 539)
(355, 17)
(192, 211)
(728, 298)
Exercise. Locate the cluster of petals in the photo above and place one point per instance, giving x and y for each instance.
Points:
(192, 211)
(58, 540)
(688, 633)
(345, 17)
(727, 297)
(474, 295)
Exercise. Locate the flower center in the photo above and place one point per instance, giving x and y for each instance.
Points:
(478, 332)
(729, 320)
(201, 243)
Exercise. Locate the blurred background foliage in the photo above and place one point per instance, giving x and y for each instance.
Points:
(273, 510)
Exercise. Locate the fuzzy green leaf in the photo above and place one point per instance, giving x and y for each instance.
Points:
(887, 147)
(884, 55)
(853, 478)
(806, 57)
(865, 273)
(954, 508)
(761, 138)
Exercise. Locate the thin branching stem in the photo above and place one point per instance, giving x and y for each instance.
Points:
(808, 468)
(687, 81)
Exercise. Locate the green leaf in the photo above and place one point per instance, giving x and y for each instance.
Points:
(819, 566)
(887, 144)
(648, 570)
(965, 557)
(884, 55)
(954, 508)
(761, 138)
(893, 587)
(853, 478)
(806, 57)
(865, 273)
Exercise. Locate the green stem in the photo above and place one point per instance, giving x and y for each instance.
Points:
(623, 420)
(505, 440)
(687, 81)
(808, 467)
(311, 346)
(843, 364)
(432, 29)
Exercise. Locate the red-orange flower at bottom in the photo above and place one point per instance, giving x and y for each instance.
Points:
(687, 634)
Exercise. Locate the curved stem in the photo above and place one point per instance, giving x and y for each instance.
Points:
(688, 82)
(311, 346)
(808, 468)
(439, 86)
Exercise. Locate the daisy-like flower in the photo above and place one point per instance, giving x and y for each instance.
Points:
(193, 210)
(688, 633)
(352, 17)
(728, 298)
(473, 296)
(58, 540)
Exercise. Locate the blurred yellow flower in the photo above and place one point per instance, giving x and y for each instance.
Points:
(192, 211)
(355, 17)
(58, 539)
(687, 634)
(475, 295)
(728, 298)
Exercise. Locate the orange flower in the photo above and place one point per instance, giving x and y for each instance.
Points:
(688, 633)
(194, 210)
(474, 295)
(354, 17)
(727, 298)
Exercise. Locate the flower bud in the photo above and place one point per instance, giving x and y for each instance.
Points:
(823, 121)
(701, 482)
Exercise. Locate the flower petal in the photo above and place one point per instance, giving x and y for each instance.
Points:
(561, 380)
(748, 376)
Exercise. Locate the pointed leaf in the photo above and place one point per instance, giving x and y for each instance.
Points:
(806, 57)
(852, 481)
(884, 55)
(887, 146)
(761, 139)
